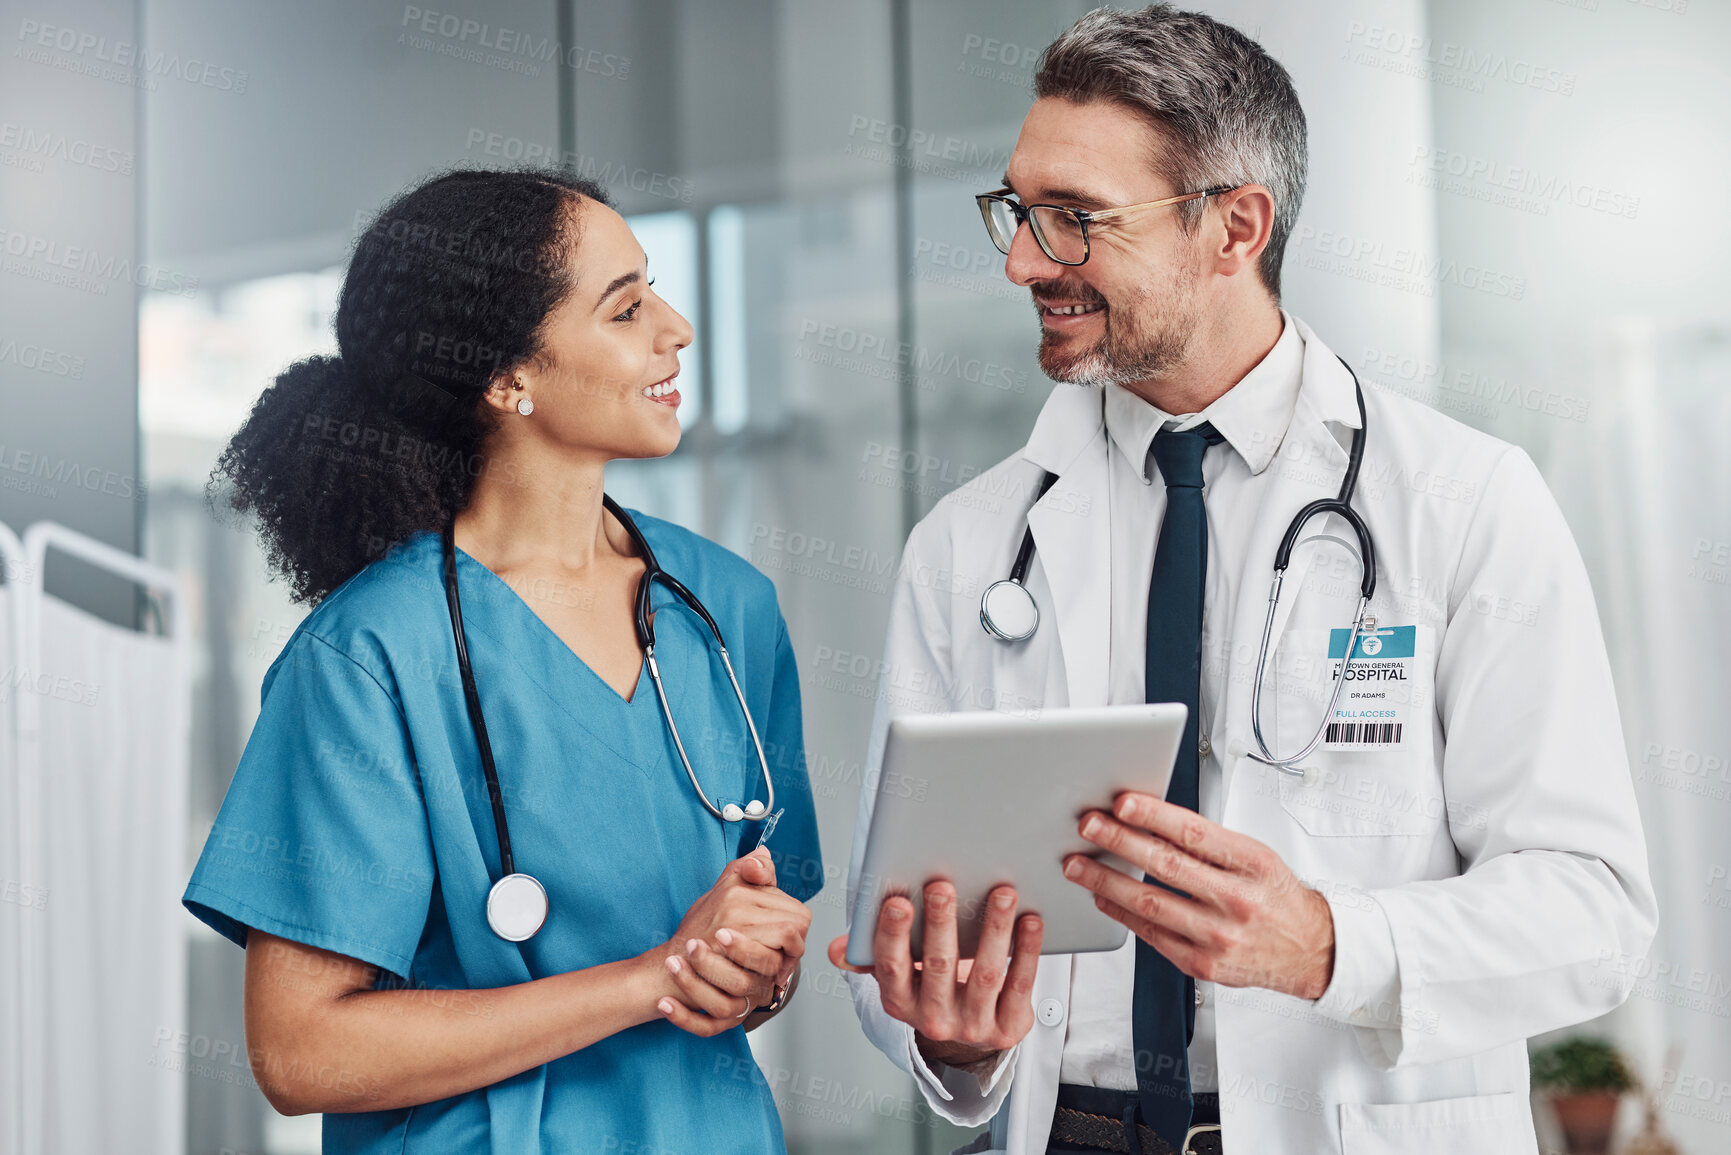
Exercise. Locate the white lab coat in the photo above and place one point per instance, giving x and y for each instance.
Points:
(1501, 848)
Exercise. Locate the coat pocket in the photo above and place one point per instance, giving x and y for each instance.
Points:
(1480, 1124)
(1364, 794)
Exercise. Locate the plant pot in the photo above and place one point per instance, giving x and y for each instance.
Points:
(1586, 1119)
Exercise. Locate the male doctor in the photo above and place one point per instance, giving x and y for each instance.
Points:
(1348, 960)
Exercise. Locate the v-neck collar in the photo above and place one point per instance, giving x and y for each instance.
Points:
(546, 637)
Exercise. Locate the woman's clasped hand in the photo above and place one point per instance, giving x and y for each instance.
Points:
(734, 948)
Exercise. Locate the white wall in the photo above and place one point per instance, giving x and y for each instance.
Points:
(1612, 370)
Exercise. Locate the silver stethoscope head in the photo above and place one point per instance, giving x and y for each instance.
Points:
(517, 907)
(1008, 611)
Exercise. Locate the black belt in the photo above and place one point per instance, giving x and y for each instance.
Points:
(1092, 1119)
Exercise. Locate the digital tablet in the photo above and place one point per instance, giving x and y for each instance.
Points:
(986, 798)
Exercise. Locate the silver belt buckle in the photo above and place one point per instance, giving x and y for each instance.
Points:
(1200, 1129)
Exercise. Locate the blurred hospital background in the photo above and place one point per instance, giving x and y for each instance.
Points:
(1515, 214)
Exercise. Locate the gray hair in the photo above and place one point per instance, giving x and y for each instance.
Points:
(1226, 110)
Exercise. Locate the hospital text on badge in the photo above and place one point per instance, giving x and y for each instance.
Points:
(1375, 700)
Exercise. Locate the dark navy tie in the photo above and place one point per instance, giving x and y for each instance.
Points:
(1164, 1011)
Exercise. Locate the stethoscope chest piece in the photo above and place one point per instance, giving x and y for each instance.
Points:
(516, 907)
(1008, 612)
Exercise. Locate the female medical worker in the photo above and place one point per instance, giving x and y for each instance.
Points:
(498, 344)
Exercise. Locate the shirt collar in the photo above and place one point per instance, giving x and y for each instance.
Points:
(1252, 415)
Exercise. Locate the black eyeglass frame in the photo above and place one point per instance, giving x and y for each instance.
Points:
(1024, 215)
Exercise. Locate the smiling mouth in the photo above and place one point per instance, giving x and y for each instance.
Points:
(1061, 314)
(663, 392)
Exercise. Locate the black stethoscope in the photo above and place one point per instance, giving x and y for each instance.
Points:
(517, 902)
(1009, 614)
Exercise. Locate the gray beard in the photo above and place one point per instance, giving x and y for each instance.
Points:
(1131, 355)
(1113, 362)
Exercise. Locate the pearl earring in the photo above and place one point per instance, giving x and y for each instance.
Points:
(525, 407)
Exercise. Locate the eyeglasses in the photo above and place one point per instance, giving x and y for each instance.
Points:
(1062, 233)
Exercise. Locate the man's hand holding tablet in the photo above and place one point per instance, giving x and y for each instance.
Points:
(963, 1011)
(1231, 910)
(961, 886)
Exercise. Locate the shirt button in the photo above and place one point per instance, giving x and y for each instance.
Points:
(1198, 994)
(1204, 747)
(1050, 1012)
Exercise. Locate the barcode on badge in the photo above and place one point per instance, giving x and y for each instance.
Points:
(1364, 733)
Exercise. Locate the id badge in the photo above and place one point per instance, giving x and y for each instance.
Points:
(1375, 710)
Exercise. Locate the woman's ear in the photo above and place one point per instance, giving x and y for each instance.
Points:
(503, 393)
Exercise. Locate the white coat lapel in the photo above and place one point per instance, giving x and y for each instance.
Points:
(1073, 535)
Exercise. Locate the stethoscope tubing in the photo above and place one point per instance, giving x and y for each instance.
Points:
(645, 630)
(1340, 505)
(645, 624)
(472, 698)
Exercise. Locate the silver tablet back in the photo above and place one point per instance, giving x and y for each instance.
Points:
(986, 798)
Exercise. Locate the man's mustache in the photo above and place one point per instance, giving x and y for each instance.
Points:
(1080, 293)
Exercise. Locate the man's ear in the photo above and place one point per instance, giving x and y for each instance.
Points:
(1247, 217)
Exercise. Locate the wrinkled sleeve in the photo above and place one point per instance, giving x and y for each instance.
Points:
(323, 835)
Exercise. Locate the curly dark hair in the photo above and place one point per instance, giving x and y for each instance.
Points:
(344, 457)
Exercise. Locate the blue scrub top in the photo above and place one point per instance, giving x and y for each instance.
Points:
(358, 821)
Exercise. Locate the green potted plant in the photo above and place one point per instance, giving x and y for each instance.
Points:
(1585, 1078)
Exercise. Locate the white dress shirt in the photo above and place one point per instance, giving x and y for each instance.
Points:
(1252, 416)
